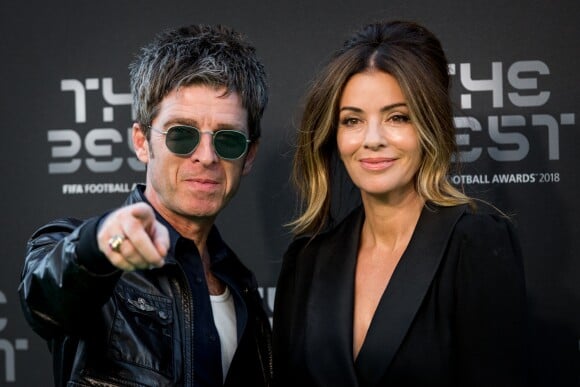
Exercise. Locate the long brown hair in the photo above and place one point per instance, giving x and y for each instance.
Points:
(415, 58)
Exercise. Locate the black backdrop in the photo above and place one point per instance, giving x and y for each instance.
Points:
(65, 113)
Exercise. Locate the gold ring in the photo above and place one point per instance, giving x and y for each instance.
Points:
(115, 242)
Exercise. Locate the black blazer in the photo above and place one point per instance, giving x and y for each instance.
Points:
(453, 314)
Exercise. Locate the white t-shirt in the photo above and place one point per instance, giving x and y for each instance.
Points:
(224, 317)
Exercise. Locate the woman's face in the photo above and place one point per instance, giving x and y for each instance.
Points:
(376, 139)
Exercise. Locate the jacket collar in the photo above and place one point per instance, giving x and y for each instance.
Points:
(330, 308)
(224, 262)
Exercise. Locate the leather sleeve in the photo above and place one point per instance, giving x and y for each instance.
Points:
(59, 292)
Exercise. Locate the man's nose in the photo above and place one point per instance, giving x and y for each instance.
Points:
(205, 152)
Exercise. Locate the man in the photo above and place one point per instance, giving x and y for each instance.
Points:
(149, 294)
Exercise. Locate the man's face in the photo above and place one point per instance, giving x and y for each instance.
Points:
(199, 185)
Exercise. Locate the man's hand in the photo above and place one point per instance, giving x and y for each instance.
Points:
(142, 242)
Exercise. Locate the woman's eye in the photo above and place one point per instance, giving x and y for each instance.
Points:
(400, 119)
(349, 121)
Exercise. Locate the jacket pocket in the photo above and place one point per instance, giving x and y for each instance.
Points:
(142, 331)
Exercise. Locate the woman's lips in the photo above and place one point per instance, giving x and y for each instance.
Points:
(377, 163)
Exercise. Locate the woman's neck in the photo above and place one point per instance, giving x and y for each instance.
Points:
(390, 224)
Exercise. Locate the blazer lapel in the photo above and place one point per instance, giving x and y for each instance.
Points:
(405, 292)
(330, 306)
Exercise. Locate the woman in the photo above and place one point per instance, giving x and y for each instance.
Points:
(414, 287)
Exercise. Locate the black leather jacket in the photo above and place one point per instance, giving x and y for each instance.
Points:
(111, 328)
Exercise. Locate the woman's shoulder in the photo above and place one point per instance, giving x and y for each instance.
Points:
(336, 229)
(484, 219)
(307, 244)
(486, 226)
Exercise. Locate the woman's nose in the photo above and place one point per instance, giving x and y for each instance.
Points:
(375, 135)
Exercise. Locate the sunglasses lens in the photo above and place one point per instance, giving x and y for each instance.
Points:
(182, 140)
(230, 144)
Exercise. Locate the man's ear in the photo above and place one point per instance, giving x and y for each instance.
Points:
(250, 157)
(140, 143)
